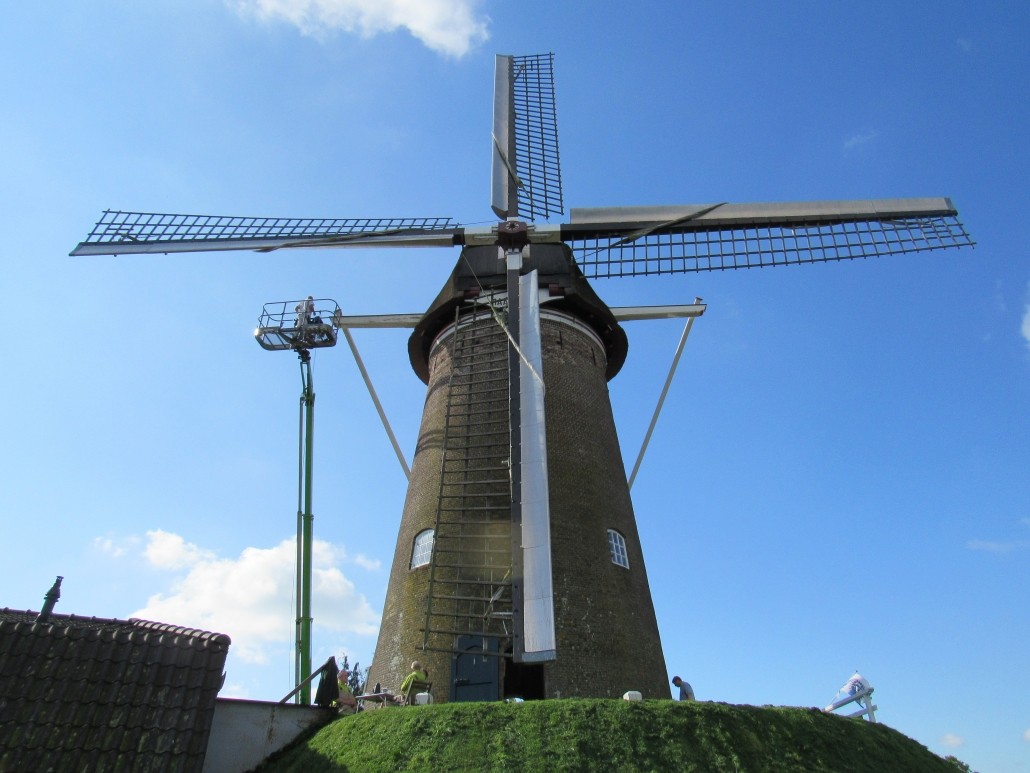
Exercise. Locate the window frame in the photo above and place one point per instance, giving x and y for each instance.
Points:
(617, 548)
(419, 549)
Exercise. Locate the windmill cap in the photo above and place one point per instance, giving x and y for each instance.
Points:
(478, 269)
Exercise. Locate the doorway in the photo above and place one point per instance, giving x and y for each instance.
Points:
(523, 680)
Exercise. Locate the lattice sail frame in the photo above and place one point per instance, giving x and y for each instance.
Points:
(536, 137)
(757, 245)
(619, 245)
(526, 172)
(132, 232)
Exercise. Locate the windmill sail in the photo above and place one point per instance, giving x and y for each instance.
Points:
(537, 591)
(125, 233)
(632, 241)
(607, 242)
(526, 169)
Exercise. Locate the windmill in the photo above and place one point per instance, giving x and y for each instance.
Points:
(518, 569)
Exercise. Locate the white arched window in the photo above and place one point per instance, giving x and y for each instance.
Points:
(422, 550)
(617, 546)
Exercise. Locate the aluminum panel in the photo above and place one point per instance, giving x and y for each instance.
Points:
(538, 591)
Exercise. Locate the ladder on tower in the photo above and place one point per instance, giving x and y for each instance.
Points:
(470, 568)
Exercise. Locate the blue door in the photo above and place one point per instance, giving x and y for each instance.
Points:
(475, 670)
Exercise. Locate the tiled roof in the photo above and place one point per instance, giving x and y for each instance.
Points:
(85, 693)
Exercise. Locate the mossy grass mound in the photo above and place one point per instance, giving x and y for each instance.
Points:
(605, 735)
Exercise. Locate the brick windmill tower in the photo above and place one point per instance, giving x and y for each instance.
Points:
(518, 569)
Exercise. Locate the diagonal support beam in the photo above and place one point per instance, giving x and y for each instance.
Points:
(665, 391)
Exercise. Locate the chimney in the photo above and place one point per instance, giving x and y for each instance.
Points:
(50, 600)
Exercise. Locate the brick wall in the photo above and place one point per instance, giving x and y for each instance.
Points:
(607, 636)
(400, 633)
(608, 639)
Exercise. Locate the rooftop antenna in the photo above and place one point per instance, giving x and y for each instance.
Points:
(300, 327)
(495, 501)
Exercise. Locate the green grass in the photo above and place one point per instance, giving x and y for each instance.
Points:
(605, 735)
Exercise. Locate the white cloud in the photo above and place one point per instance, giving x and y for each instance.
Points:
(991, 546)
(251, 597)
(861, 138)
(233, 690)
(1026, 735)
(449, 27)
(952, 741)
(113, 548)
(371, 564)
(997, 547)
(1024, 329)
(170, 551)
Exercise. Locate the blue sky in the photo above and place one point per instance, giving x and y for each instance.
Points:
(839, 480)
